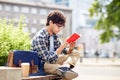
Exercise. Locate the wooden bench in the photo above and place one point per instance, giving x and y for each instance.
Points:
(30, 56)
(13, 73)
(47, 77)
(10, 73)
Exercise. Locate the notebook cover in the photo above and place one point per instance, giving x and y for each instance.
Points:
(73, 37)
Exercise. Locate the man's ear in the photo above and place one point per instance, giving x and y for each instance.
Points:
(50, 22)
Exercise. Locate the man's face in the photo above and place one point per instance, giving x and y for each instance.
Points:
(56, 28)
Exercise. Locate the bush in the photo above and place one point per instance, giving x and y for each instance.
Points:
(12, 37)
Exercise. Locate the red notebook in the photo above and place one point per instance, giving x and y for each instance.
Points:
(73, 37)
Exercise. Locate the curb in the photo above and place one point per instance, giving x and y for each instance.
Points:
(99, 65)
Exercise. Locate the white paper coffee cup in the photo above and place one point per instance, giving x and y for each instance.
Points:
(25, 69)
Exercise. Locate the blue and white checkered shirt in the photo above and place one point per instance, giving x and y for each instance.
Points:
(41, 44)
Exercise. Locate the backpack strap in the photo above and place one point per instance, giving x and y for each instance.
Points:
(34, 68)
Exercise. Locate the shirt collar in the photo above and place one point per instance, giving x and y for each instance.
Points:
(46, 33)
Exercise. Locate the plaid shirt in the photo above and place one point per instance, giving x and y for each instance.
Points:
(41, 44)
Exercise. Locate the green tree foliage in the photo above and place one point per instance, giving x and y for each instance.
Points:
(108, 12)
(12, 37)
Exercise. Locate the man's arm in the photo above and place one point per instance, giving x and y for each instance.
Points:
(61, 48)
(40, 46)
(71, 47)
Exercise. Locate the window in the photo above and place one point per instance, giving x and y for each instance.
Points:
(0, 6)
(27, 20)
(34, 21)
(25, 9)
(42, 21)
(7, 8)
(34, 11)
(43, 12)
(91, 22)
(16, 9)
(33, 30)
(26, 29)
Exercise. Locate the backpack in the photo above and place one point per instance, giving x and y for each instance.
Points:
(16, 57)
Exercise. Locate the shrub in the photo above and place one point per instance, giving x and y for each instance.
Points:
(12, 37)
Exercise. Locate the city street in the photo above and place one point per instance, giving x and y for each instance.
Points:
(102, 70)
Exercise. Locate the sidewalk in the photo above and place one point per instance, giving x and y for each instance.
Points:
(99, 62)
(102, 69)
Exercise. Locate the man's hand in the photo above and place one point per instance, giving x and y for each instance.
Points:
(71, 47)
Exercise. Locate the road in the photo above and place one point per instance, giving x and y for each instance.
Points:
(97, 72)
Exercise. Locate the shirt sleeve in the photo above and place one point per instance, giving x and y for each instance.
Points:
(64, 51)
(40, 46)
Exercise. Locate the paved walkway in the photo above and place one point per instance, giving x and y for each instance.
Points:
(101, 69)
(99, 62)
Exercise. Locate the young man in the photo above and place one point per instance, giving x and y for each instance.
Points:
(51, 51)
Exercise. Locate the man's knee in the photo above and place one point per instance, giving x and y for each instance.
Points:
(76, 53)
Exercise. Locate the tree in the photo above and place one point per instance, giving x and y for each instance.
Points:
(108, 12)
(12, 37)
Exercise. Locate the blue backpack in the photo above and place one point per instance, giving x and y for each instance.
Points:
(16, 57)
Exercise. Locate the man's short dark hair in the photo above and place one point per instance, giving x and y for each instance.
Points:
(56, 16)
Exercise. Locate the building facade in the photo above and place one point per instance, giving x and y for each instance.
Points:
(76, 12)
(82, 23)
(35, 14)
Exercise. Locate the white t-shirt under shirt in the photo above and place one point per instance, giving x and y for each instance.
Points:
(51, 44)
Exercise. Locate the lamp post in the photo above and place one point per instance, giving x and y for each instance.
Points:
(81, 50)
